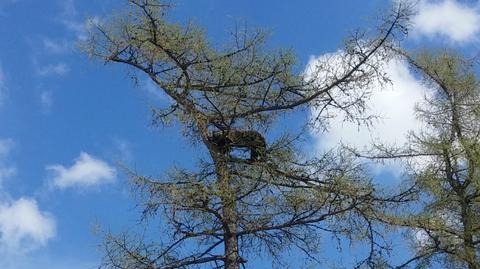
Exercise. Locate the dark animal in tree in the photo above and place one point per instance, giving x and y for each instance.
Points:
(226, 141)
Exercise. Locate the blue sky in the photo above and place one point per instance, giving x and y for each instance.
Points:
(67, 123)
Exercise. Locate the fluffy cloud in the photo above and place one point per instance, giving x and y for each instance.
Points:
(394, 104)
(449, 19)
(23, 226)
(86, 171)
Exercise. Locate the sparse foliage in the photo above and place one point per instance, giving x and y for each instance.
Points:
(232, 209)
(446, 223)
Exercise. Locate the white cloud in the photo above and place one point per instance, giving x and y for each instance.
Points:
(448, 19)
(23, 226)
(59, 69)
(394, 104)
(86, 171)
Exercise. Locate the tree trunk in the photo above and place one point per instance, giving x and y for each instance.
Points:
(468, 244)
(232, 257)
(227, 195)
(230, 216)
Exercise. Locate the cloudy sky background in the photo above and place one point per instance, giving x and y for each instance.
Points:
(67, 123)
(451, 24)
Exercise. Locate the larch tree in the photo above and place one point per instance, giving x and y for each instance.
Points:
(444, 164)
(250, 195)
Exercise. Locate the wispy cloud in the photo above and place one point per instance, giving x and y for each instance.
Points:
(69, 18)
(448, 19)
(86, 171)
(5, 147)
(6, 170)
(81, 28)
(58, 69)
(57, 46)
(122, 150)
(46, 100)
(68, 9)
(153, 90)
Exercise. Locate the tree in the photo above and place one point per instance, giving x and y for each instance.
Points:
(446, 223)
(236, 206)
